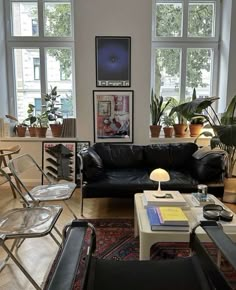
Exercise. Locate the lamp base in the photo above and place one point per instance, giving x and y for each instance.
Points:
(160, 194)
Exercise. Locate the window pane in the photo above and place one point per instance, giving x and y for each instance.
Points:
(58, 63)
(167, 72)
(57, 19)
(27, 88)
(199, 68)
(24, 19)
(169, 19)
(201, 20)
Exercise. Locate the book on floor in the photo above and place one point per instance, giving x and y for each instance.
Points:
(170, 215)
(157, 225)
(170, 198)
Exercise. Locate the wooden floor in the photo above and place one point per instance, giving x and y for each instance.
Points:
(38, 254)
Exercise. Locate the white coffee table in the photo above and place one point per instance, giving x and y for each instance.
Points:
(147, 237)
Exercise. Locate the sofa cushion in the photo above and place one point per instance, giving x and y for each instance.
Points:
(120, 155)
(167, 156)
(127, 182)
(93, 165)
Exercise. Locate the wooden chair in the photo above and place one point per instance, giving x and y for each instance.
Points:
(5, 156)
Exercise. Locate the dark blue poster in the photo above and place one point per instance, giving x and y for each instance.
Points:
(113, 63)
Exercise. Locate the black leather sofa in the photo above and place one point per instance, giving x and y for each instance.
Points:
(121, 170)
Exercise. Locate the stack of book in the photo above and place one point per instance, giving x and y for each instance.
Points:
(165, 218)
(169, 198)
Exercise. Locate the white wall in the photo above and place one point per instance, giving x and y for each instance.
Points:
(113, 18)
(3, 74)
(227, 71)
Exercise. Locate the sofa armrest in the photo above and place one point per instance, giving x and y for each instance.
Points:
(209, 165)
(91, 165)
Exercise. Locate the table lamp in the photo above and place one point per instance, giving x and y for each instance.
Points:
(159, 175)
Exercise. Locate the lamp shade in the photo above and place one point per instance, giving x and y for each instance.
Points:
(159, 174)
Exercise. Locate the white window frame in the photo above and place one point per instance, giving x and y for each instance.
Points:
(40, 42)
(186, 42)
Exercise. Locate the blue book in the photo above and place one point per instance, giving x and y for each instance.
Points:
(156, 224)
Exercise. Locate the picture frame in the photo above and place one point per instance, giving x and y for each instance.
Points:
(59, 160)
(117, 125)
(113, 61)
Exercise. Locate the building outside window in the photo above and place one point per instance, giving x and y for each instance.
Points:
(185, 45)
(40, 47)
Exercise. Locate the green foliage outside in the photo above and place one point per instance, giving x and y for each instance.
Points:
(168, 24)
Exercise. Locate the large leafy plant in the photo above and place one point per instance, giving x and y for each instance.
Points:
(224, 128)
(52, 107)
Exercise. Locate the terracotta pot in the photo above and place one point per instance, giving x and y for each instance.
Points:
(155, 130)
(56, 130)
(168, 131)
(180, 130)
(229, 190)
(41, 132)
(195, 129)
(21, 130)
(32, 131)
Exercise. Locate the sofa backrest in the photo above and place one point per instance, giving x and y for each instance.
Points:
(120, 155)
(169, 156)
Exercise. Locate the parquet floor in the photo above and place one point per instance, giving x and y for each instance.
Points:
(38, 254)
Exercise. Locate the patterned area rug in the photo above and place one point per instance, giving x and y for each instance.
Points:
(115, 241)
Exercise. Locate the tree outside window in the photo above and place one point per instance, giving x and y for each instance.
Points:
(184, 48)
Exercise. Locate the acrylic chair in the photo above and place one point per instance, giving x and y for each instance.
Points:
(5, 156)
(50, 191)
(23, 223)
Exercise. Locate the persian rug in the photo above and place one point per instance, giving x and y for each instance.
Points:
(115, 241)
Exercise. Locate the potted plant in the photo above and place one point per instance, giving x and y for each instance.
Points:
(31, 119)
(180, 127)
(168, 122)
(53, 113)
(19, 128)
(157, 108)
(42, 124)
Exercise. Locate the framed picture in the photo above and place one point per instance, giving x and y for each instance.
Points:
(114, 122)
(113, 63)
(59, 160)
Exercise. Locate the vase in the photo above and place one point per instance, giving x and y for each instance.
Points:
(56, 130)
(229, 190)
(180, 130)
(21, 130)
(195, 129)
(155, 130)
(168, 132)
(41, 132)
(32, 131)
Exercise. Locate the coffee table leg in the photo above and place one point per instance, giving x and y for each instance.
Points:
(144, 247)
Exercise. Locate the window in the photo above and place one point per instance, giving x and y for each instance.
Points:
(36, 68)
(185, 47)
(40, 46)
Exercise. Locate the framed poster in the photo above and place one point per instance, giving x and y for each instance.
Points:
(59, 160)
(113, 62)
(116, 123)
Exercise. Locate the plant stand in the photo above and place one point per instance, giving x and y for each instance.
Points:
(230, 190)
